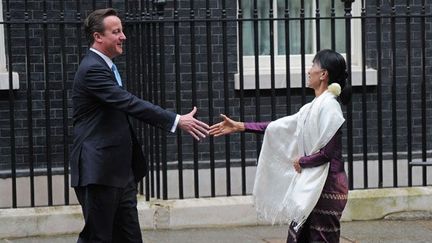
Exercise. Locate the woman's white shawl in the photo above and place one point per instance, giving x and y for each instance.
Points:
(281, 194)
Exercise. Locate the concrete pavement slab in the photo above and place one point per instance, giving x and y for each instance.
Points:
(382, 231)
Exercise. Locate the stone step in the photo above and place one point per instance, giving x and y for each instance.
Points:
(279, 240)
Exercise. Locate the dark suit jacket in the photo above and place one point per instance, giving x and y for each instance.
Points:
(105, 149)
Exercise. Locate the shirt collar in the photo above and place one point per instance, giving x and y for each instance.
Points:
(108, 61)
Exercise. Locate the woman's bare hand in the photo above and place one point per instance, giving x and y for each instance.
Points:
(227, 126)
(297, 166)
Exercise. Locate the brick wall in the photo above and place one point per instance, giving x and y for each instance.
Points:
(140, 67)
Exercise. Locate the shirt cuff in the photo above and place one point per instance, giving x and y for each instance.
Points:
(174, 127)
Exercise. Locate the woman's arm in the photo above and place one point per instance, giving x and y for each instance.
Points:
(228, 126)
(327, 153)
(255, 127)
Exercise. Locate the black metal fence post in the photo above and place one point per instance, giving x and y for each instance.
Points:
(11, 108)
(64, 104)
(178, 97)
(364, 101)
(160, 4)
(348, 17)
(210, 96)
(379, 93)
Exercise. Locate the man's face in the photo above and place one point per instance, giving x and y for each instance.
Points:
(110, 41)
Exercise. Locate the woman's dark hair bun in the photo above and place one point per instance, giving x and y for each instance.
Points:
(345, 95)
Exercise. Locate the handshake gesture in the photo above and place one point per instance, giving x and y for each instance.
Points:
(199, 129)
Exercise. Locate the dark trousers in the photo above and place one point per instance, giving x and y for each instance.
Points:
(110, 214)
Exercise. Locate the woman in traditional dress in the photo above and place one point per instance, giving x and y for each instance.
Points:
(300, 175)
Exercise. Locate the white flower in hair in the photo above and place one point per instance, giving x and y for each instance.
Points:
(335, 89)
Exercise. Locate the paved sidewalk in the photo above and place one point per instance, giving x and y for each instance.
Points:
(384, 231)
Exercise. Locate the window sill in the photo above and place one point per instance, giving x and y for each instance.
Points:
(280, 80)
(4, 81)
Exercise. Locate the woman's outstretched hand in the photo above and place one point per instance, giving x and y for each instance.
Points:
(227, 126)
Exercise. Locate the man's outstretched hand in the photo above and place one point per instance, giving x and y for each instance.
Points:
(194, 127)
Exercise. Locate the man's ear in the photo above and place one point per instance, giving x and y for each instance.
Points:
(97, 36)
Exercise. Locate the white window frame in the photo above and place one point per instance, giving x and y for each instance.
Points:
(4, 73)
(295, 63)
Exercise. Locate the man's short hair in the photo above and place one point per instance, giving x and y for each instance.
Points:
(94, 22)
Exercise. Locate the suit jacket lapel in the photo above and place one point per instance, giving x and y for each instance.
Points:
(102, 61)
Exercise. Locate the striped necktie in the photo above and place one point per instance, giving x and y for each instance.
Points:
(117, 74)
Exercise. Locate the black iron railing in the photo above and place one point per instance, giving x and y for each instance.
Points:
(181, 54)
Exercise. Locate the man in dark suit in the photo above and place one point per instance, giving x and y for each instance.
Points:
(106, 159)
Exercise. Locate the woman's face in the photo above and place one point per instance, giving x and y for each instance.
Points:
(315, 76)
